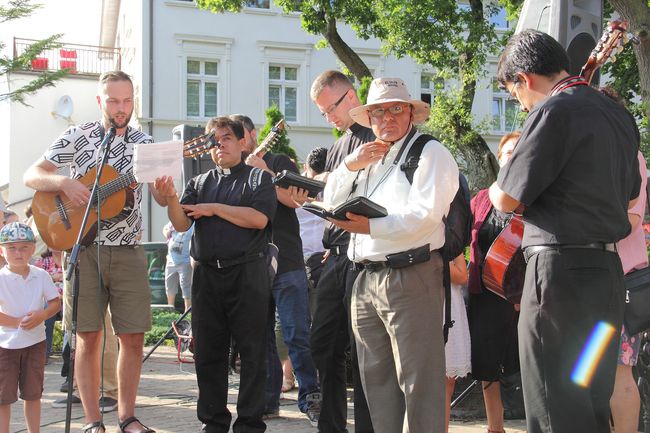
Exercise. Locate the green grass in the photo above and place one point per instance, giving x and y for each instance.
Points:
(161, 321)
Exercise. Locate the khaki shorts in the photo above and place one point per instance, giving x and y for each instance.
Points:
(22, 368)
(125, 287)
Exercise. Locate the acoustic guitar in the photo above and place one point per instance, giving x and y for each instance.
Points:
(504, 267)
(58, 220)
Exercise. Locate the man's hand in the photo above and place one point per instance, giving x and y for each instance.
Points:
(256, 161)
(165, 188)
(32, 319)
(299, 195)
(77, 192)
(366, 154)
(356, 224)
(197, 211)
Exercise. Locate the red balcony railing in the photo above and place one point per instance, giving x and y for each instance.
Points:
(76, 58)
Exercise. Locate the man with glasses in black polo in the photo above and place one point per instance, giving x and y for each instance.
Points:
(333, 94)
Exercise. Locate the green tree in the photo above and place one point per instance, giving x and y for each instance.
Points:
(455, 41)
(631, 71)
(13, 10)
(282, 143)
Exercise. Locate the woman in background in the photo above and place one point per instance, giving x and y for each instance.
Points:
(492, 319)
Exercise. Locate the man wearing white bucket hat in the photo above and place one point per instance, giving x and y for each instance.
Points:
(398, 296)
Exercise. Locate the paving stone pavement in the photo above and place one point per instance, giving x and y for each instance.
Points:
(167, 403)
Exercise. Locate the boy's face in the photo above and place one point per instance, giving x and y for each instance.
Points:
(18, 254)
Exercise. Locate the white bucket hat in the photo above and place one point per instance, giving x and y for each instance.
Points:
(384, 90)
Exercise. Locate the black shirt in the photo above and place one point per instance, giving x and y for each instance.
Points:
(575, 169)
(353, 138)
(217, 239)
(491, 228)
(286, 229)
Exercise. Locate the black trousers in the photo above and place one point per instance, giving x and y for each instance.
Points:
(567, 293)
(230, 302)
(331, 335)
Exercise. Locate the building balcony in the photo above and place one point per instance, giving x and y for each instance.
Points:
(75, 58)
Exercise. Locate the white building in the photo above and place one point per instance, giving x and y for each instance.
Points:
(189, 65)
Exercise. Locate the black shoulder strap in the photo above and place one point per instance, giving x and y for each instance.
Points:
(412, 159)
(446, 282)
(409, 166)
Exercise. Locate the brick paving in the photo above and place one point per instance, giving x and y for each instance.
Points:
(167, 403)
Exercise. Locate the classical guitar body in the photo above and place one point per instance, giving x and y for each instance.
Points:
(504, 267)
(59, 221)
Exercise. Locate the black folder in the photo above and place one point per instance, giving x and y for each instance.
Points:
(288, 178)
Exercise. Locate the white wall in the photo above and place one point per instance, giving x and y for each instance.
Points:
(33, 128)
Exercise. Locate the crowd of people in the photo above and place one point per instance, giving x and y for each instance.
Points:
(574, 172)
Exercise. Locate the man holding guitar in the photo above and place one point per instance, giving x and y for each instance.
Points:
(123, 283)
(575, 171)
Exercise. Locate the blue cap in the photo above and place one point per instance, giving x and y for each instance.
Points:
(16, 232)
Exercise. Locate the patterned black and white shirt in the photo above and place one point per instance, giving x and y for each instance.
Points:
(78, 149)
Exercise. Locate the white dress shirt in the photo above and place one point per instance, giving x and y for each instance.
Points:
(415, 211)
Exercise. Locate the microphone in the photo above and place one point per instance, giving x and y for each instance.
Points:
(108, 138)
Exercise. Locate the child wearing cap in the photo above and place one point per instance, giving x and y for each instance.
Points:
(23, 290)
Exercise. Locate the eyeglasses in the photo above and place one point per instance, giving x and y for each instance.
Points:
(334, 105)
(513, 96)
(394, 110)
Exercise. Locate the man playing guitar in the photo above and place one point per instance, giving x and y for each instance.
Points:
(575, 170)
(123, 283)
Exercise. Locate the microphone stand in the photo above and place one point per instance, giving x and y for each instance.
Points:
(73, 268)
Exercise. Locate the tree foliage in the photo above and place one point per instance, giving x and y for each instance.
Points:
(282, 144)
(16, 9)
(455, 42)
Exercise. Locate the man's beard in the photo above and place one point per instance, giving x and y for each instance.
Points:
(117, 124)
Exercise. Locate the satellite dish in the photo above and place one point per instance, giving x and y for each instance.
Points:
(63, 109)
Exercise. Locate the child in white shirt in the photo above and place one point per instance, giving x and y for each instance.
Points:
(23, 290)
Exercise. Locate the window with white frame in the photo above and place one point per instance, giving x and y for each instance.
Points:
(259, 4)
(429, 83)
(283, 90)
(202, 87)
(504, 109)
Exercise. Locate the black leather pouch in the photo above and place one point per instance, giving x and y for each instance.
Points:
(410, 257)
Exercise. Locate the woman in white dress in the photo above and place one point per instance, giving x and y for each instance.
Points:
(458, 348)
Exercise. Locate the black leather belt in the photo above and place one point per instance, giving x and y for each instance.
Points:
(397, 260)
(535, 249)
(226, 263)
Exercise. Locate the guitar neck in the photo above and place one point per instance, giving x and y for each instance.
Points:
(265, 144)
(273, 135)
(117, 184)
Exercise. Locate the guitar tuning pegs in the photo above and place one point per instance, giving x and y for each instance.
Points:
(612, 59)
(620, 48)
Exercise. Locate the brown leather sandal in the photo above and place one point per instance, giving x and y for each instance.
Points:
(124, 424)
(94, 427)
